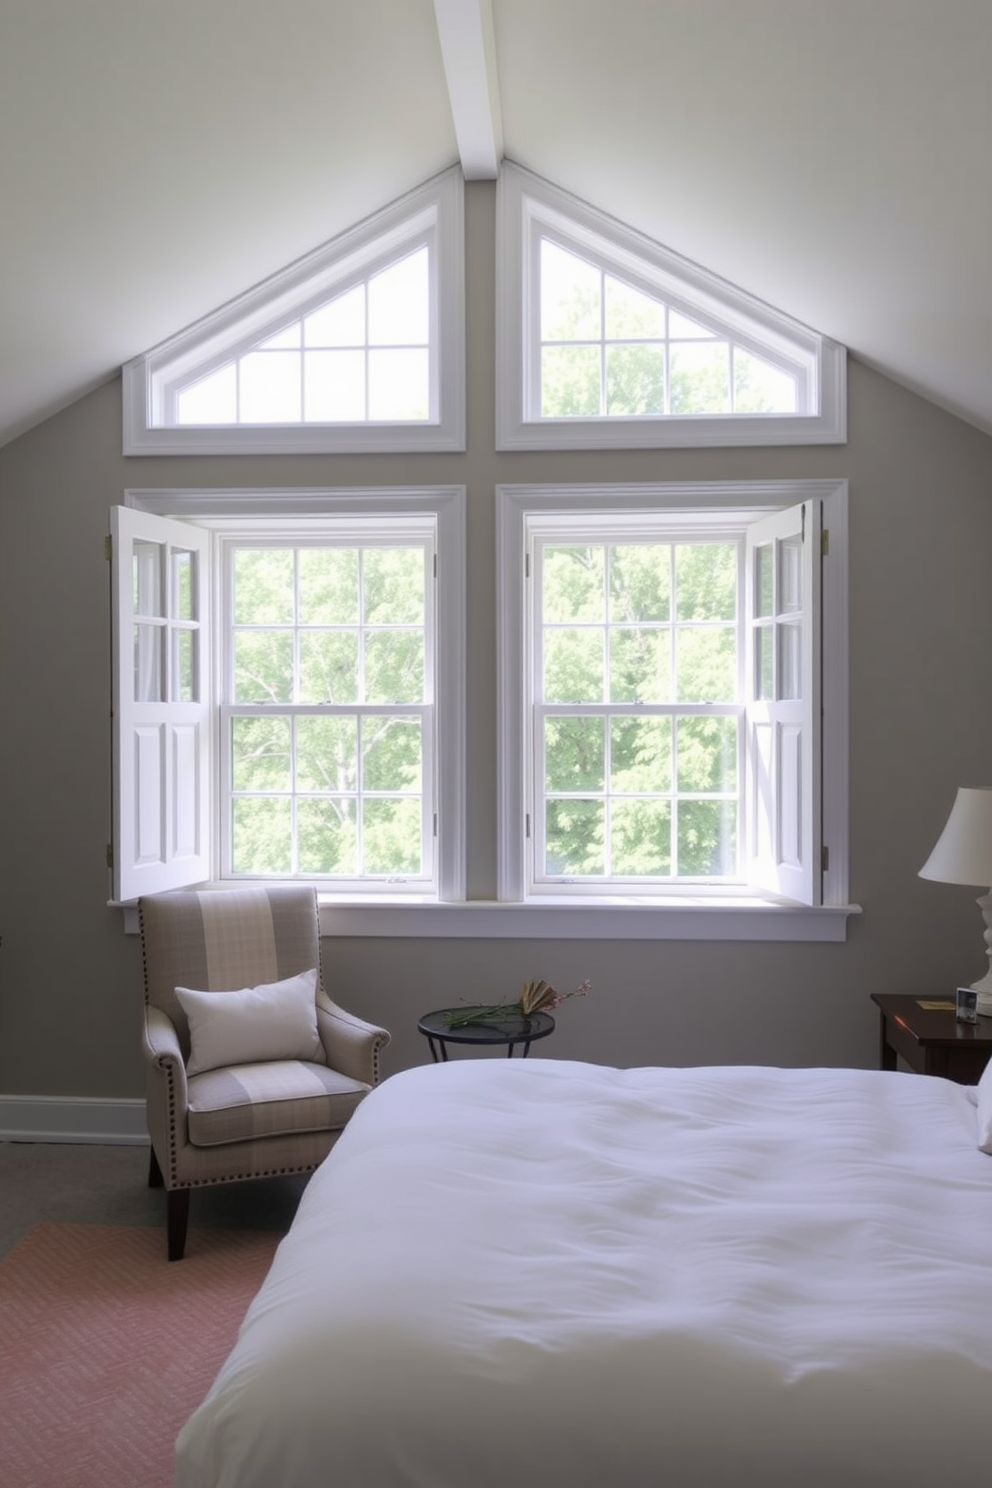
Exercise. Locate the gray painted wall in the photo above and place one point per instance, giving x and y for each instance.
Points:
(921, 724)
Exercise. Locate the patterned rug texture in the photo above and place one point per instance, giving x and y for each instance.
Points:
(106, 1348)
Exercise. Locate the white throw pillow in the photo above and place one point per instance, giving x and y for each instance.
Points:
(984, 1102)
(276, 1020)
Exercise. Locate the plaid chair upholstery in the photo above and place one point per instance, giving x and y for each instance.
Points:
(250, 1120)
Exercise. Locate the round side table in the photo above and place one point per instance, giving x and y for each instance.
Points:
(510, 1029)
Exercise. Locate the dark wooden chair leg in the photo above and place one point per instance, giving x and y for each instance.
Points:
(177, 1219)
(155, 1179)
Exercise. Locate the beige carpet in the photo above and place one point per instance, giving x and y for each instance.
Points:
(106, 1348)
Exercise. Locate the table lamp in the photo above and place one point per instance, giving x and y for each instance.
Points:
(963, 855)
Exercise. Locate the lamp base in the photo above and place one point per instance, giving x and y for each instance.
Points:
(983, 1005)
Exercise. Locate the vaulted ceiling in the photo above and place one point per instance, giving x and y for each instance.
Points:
(157, 159)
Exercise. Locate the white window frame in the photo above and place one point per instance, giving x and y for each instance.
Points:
(723, 911)
(529, 208)
(301, 515)
(432, 215)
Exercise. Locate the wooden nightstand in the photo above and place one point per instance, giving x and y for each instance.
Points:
(931, 1040)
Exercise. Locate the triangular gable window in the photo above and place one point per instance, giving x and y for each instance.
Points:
(608, 340)
(357, 348)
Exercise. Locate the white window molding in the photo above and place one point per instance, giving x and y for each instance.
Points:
(529, 209)
(715, 506)
(431, 216)
(302, 514)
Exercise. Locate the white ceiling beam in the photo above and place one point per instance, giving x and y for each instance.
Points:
(468, 51)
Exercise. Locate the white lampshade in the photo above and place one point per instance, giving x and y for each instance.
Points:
(963, 854)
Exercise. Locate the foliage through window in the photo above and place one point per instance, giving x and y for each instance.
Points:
(326, 728)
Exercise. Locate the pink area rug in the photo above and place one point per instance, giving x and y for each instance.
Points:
(106, 1348)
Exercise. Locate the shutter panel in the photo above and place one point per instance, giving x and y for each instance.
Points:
(161, 704)
(782, 692)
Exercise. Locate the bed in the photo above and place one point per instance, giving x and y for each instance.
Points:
(539, 1271)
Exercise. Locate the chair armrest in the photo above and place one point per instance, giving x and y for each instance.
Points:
(166, 1090)
(352, 1046)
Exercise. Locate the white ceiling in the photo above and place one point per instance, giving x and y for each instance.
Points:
(158, 157)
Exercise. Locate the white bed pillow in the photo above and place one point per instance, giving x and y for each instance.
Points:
(984, 1102)
(276, 1020)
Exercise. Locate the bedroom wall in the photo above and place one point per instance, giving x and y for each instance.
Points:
(921, 720)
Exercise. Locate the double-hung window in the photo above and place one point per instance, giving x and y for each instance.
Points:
(288, 696)
(672, 693)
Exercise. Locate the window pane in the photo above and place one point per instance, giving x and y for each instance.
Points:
(328, 585)
(707, 754)
(764, 580)
(761, 388)
(572, 585)
(327, 834)
(635, 380)
(574, 754)
(707, 838)
(631, 315)
(640, 582)
(764, 662)
(399, 303)
(327, 754)
(263, 586)
(183, 669)
(146, 579)
(270, 387)
(262, 835)
(706, 581)
(791, 576)
(329, 666)
(790, 672)
(700, 374)
(339, 323)
(640, 755)
(573, 666)
(148, 667)
(391, 837)
(263, 666)
(261, 758)
(706, 665)
(641, 839)
(334, 388)
(570, 296)
(393, 586)
(570, 382)
(394, 666)
(212, 400)
(182, 565)
(399, 385)
(391, 754)
(640, 665)
(574, 838)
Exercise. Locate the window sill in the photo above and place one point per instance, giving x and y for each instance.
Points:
(741, 917)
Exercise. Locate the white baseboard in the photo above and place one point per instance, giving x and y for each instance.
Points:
(42, 1118)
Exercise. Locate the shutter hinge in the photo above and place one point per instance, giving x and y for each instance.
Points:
(110, 855)
(824, 859)
(825, 541)
(108, 547)
(435, 565)
(435, 824)
(526, 565)
(527, 825)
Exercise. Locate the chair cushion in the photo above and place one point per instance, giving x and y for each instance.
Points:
(275, 1098)
(276, 1020)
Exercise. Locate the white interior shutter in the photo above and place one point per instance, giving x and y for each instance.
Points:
(783, 691)
(161, 704)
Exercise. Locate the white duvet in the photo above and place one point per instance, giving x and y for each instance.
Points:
(511, 1273)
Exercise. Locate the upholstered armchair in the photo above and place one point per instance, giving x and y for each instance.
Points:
(251, 1069)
